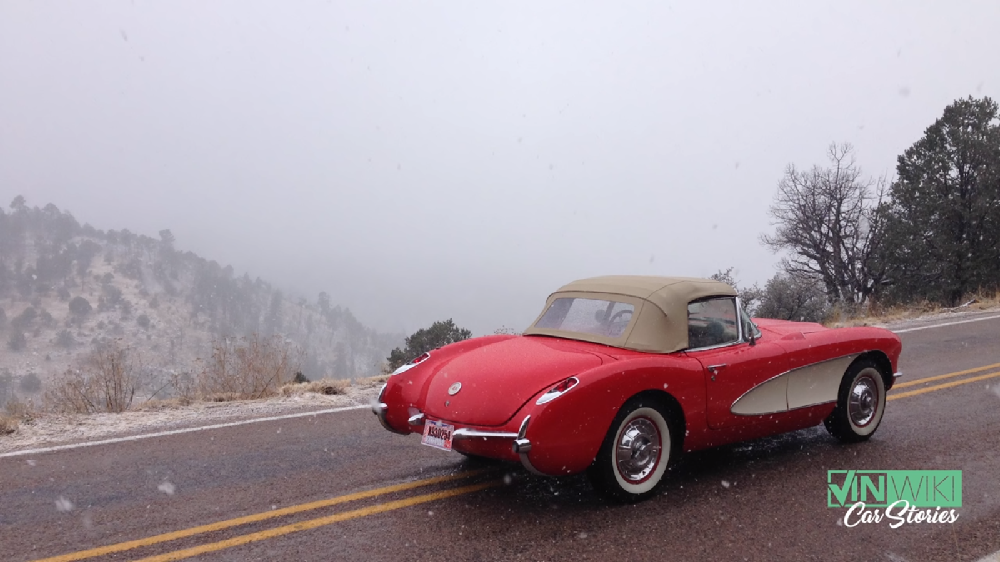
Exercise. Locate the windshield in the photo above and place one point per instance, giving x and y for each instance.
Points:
(587, 316)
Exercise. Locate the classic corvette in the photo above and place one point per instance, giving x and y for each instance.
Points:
(619, 375)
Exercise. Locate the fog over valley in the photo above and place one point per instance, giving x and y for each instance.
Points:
(419, 162)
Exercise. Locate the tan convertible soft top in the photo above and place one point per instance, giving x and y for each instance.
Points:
(659, 326)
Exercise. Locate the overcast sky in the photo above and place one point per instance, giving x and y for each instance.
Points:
(426, 160)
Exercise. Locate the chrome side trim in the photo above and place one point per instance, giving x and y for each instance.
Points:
(811, 405)
(466, 433)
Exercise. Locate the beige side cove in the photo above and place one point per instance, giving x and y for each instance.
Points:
(813, 384)
(660, 323)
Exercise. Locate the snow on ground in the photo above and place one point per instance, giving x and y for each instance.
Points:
(53, 429)
(960, 314)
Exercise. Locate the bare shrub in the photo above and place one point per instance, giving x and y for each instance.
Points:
(117, 368)
(106, 383)
(183, 385)
(328, 387)
(71, 393)
(249, 368)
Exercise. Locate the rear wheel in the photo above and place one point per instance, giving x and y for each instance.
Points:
(860, 403)
(635, 452)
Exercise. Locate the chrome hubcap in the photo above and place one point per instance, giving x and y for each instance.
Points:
(638, 449)
(864, 401)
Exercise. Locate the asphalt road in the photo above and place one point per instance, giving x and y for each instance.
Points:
(337, 486)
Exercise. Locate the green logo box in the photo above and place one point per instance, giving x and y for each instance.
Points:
(882, 488)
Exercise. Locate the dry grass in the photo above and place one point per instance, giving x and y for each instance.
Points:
(248, 368)
(156, 404)
(371, 382)
(875, 314)
(15, 413)
(8, 424)
(222, 397)
(328, 387)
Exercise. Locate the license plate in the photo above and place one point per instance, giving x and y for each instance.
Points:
(437, 435)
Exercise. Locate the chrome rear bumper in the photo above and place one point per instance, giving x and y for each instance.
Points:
(520, 444)
(466, 433)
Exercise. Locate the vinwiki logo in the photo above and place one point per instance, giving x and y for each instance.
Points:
(897, 497)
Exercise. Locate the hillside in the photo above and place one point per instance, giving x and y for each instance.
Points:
(65, 288)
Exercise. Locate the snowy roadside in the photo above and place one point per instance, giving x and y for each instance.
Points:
(930, 318)
(55, 429)
(943, 318)
(59, 429)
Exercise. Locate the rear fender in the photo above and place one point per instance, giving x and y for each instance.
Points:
(567, 432)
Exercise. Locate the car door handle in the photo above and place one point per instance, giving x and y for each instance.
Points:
(714, 369)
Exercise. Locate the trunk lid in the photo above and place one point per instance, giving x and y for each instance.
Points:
(497, 379)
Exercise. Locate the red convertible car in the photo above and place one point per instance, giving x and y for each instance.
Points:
(619, 375)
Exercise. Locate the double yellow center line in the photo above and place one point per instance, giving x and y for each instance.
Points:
(286, 529)
(395, 504)
(925, 380)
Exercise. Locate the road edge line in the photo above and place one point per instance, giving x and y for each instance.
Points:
(993, 557)
(142, 436)
(905, 330)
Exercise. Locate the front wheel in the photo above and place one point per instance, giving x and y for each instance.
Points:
(860, 403)
(635, 452)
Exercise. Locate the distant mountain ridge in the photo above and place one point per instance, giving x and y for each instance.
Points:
(64, 287)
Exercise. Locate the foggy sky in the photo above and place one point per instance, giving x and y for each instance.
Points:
(426, 160)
